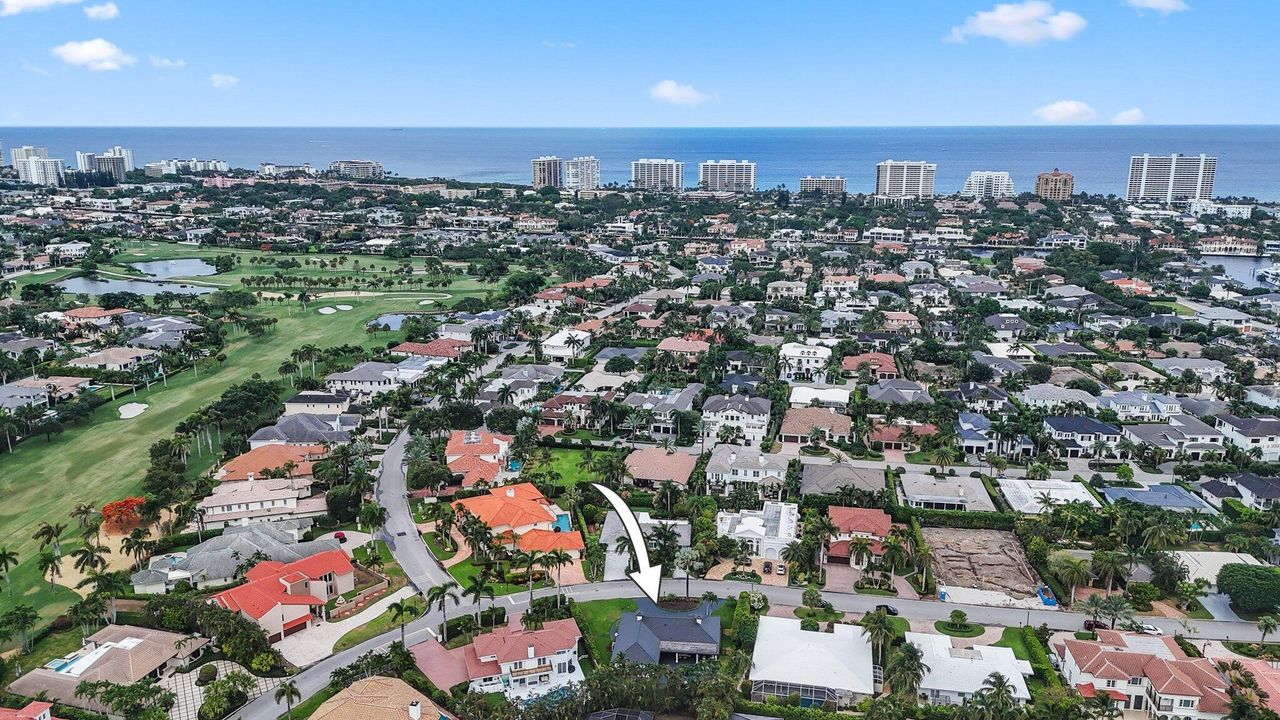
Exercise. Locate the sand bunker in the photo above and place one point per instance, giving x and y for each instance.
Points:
(132, 410)
(343, 307)
(427, 302)
(326, 311)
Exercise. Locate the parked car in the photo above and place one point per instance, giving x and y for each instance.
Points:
(1094, 625)
(1146, 629)
(768, 566)
(782, 568)
(340, 536)
(887, 610)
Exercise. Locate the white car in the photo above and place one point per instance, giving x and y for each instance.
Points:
(1150, 630)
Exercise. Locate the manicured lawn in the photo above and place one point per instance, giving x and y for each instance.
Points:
(378, 625)
(875, 591)
(465, 570)
(596, 620)
(901, 626)
(565, 463)
(1196, 611)
(436, 548)
(967, 630)
(304, 709)
(389, 567)
(1177, 308)
(1012, 639)
(819, 614)
(55, 645)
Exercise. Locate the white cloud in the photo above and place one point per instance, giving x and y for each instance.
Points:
(1026, 23)
(559, 44)
(168, 63)
(1066, 111)
(1132, 116)
(670, 91)
(1164, 7)
(97, 55)
(105, 11)
(224, 82)
(13, 7)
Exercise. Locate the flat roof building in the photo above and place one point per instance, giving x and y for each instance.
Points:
(1171, 178)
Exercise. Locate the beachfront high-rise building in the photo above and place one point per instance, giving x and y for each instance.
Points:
(361, 169)
(39, 170)
(905, 179)
(123, 153)
(1057, 185)
(987, 185)
(18, 154)
(1171, 178)
(548, 171)
(582, 173)
(727, 175)
(86, 162)
(651, 174)
(825, 185)
(113, 165)
(176, 167)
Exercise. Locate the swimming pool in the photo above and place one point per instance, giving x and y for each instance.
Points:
(562, 523)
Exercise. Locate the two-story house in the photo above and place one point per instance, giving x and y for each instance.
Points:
(746, 418)
(524, 664)
(798, 362)
(731, 466)
(1078, 435)
(1147, 674)
(1260, 434)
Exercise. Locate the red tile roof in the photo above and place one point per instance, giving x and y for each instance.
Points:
(440, 347)
(510, 644)
(870, 521)
(266, 587)
(30, 711)
(509, 506)
(475, 443)
(880, 362)
(474, 470)
(548, 540)
(271, 457)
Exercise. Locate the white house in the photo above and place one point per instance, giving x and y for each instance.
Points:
(524, 664)
(831, 670)
(566, 345)
(803, 363)
(748, 415)
(956, 674)
(767, 531)
(733, 465)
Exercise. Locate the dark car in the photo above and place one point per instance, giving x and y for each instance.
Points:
(887, 610)
(768, 567)
(1094, 625)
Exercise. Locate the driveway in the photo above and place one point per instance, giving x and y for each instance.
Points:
(315, 644)
(189, 696)
(1220, 606)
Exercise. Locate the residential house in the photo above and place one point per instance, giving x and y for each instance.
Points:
(1047, 396)
(1258, 436)
(798, 362)
(826, 670)
(121, 359)
(650, 467)
(1140, 405)
(975, 435)
(881, 366)
(899, 392)
(1144, 673)
(1181, 435)
(522, 518)
(285, 598)
(653, 636)
(955, 675)
(220, 560)
(766, 531)
(871, 524)
(981, 398)
(930, 492)
(664, 404)
(1007, 327)
(733, 465)
(567, 344)
(828, 479)
(740, 416)
(379, 698)
(802, 425)
(1081, 436)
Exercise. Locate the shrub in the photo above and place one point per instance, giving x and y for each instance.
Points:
(1039, 658)
(809, 624)
(1252, 588)
(207, 674)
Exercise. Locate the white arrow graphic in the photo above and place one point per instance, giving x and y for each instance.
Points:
(649, 577)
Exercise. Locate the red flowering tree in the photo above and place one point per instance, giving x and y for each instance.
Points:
(122, 514)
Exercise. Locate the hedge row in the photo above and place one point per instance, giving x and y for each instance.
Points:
(972, 520)
(1039, 658)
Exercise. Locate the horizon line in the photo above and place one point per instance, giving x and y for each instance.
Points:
(1080, 126)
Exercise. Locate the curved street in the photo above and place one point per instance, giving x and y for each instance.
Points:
(423, 571)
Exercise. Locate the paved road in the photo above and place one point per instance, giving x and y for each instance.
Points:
(400, 532)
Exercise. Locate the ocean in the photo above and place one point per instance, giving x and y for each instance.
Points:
(1098, 156)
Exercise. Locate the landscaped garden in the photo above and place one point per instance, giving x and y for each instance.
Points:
(596, 620)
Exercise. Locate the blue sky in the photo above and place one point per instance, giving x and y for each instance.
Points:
(656, 63)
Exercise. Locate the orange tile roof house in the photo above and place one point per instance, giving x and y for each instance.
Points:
(379, 698)
(649, 467)
(519, 663)
(30, 711)
(268, 459)
(799, 423)
(439, 348)
(881, 365)
(870, 523)
(514, 511)
(1141, 672)
(284, 598)
(477, 455)
(687, 349)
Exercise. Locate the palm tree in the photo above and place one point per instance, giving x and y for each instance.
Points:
(288, 693)
(373, 516)
(50, 534)
(439, 597)
(905, 672)
(1108, 566)
(879, 631)
(1116, 609)
(478, 588)
(860, 552)
(401, 612)
(557, 559)
(50, 566)
(8, 559)
(996, 697)
(90, 557)
(1074, 572)
(1267, 625)
(1094, 606)
(82, 513)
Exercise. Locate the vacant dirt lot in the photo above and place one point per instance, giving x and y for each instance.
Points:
(983, 559)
